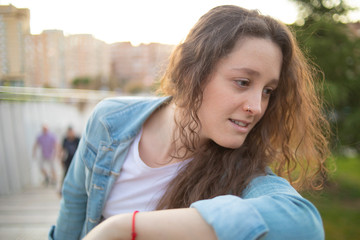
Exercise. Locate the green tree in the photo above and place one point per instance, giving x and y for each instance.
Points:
(81, 82)
(325, 36)
(329, 10)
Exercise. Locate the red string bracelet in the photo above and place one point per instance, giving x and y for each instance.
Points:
(133, 233)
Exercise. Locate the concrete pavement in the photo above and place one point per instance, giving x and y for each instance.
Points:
(28, 215)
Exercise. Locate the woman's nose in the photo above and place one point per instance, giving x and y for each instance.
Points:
(254, 104)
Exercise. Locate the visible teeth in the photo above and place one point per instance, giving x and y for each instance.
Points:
(239, 123)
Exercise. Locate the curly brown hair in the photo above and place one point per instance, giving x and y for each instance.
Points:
(292, 135)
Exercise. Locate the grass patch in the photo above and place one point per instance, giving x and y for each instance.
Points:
(339, 202)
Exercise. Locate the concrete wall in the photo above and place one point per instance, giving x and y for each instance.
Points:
(20, 123)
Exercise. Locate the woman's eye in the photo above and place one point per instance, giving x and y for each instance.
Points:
(268, 91)
(242, 82)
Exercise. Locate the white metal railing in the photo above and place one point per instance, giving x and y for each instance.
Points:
(58, 94)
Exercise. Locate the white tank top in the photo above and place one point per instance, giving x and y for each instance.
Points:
(138, 187)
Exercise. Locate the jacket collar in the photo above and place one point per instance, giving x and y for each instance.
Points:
(128, 115)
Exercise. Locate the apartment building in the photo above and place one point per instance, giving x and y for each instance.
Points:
(55, 60)
(45, 59)
(14, 28)
(142, 64)
(87, 56)
(52, 59)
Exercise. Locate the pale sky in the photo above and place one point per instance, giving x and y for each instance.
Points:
(138, 21)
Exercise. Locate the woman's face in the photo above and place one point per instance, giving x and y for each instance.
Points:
(237, 92)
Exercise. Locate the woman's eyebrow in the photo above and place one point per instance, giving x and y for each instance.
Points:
(274, 82)
(255, 73)
(247, 70)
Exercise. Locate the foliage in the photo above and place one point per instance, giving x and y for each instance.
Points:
(135, 87)
(81, 82)
(336, 51)
(330, 10)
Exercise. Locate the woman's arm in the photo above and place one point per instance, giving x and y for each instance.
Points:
(270, 209)
(181, 224)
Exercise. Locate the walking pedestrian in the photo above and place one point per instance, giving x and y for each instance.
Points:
(47, 143)
(68, 149)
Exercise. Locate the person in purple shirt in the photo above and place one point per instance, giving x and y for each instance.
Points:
(48, 146)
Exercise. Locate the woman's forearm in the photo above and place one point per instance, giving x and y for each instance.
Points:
(182, 224)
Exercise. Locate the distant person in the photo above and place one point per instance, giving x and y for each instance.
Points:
(48, 144)
(68, 149)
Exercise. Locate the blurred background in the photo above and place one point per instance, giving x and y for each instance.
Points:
(59, 58)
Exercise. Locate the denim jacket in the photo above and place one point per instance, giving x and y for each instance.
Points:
(268, 209)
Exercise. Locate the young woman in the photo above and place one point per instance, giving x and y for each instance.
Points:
(239, 98)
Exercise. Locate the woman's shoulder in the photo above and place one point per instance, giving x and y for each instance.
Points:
(268, 184)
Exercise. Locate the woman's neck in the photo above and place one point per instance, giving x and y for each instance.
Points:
(156, 146)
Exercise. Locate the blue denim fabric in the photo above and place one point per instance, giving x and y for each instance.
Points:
(270, 207)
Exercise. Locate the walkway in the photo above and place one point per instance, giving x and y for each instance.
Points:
(28, 215)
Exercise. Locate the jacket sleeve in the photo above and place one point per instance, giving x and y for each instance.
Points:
(269, 209)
